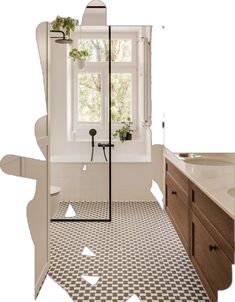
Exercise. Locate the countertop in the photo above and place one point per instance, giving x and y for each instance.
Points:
(214, 181)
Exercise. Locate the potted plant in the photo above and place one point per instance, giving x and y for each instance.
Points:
(124, 133)
(65, 24)
(80, 56)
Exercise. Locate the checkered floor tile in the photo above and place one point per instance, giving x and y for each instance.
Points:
(84, 209)
(138, 253)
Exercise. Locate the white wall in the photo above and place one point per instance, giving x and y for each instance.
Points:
(21, 88)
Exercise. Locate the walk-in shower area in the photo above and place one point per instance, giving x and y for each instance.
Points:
(100, 118)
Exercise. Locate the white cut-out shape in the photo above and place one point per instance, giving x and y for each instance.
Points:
(70, 212)
(91, 279)
(228, 294)
(87, 252)
(133, 298)
(157, 193)
(84, 168)
(51, 291)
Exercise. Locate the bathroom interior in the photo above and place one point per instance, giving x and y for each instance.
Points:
(122, 219)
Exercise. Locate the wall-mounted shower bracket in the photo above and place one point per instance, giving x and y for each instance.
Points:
(59, 40)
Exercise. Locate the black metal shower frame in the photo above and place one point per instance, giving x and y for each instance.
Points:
(110, 154)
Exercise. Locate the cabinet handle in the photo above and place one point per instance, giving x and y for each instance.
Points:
(173, 192)
(213, 248)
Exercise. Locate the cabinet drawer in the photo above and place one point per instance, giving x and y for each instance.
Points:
(221, 221)
(178, 212)
(210, 258)
(178, 189)
(178, 177)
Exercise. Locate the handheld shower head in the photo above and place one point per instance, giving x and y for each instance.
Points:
(92, 132)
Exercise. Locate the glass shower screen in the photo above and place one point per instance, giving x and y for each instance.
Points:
(80, 126)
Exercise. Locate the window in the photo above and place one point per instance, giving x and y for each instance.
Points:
(90, 97)
(91, 83)
(121, 93)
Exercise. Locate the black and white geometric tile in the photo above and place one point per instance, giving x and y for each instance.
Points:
(138, 253)
(84, 209)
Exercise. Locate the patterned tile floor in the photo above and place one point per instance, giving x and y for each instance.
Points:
(138, 253)
(85, 209)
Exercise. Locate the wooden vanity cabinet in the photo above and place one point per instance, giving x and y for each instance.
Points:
(206, 231)
(177, 202)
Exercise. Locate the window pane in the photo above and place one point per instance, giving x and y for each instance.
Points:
(121, 93)
(97, 48)
(121, 50)
(89, 104)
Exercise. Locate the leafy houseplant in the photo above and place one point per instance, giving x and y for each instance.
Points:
(66, 24)
(124, 133)
(79, 55)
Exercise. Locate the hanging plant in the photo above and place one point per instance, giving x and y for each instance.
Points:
(76, 54)
(79, 56)
(65, 24)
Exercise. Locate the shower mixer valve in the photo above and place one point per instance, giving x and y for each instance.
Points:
(92, 133)
(103, 146)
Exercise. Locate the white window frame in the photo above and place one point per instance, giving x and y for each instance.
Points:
(80, 128)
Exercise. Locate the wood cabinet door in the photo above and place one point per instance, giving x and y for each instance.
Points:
(210, 258)
(178, 212)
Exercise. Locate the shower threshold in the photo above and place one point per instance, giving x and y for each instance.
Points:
(84, 211)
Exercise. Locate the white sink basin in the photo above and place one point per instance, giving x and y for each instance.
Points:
(208, 161)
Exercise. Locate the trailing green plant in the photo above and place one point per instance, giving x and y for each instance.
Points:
(76, 54)
(66, 24)
(124, 133)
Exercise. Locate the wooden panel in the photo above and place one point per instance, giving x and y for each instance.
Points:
(209, 258)
(180, 193)
(217, 217)
(227, 248)
(178, 212)
(211, 294)
(178, 177)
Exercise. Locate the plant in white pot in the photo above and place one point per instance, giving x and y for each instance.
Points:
(80, 56)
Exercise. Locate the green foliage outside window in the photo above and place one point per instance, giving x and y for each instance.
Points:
(90, 97)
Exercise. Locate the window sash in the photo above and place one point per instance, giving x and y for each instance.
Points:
(102, 68)
(104, 100)
(133, 36)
